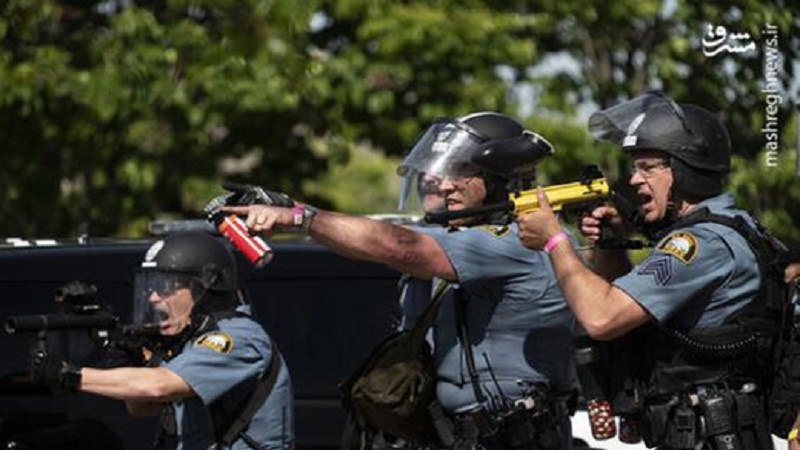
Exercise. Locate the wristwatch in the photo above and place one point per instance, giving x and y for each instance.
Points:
(303, 216)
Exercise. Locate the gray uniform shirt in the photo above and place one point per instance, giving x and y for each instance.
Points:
(698, 275)
(519, 324)
(238, 351)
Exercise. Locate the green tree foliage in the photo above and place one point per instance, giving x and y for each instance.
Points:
(116, 113)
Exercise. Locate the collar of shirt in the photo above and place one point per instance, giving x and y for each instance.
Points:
(718, 203)
(244, 309)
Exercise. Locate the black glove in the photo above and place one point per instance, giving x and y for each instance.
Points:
(123, 353)
(53, 373)
(247, 194)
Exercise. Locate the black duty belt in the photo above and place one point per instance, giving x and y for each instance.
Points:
(724, 417)
(532, 422)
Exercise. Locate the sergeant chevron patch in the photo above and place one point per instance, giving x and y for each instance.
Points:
(219, 342)
(659, 267)
(681, 244)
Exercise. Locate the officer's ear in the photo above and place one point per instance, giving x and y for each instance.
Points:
(496, 190)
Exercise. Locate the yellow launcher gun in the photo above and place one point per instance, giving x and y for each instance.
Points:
(559, 196)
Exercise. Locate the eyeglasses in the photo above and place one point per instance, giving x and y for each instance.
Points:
(648, 169)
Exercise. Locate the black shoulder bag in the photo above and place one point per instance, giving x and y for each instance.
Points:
(393, 388)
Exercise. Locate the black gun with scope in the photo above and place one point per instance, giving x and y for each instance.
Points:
(79, 309)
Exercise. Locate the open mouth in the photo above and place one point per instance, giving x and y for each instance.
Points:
(644, 200)
(162, 318)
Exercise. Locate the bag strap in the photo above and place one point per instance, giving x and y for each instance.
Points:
(463, 337)
(763, 246)
(425, 321)
(259, 396)
(771, 299)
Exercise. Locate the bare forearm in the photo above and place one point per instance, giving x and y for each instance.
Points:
(605, 312)
(134, 384)
(400, 248)
(582, 288)
(354, 237)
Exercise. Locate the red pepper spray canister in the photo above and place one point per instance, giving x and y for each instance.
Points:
(254, 248)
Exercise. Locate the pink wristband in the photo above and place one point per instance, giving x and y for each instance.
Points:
(554, 240)
(297, 217)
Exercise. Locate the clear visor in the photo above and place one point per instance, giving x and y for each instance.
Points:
(444, 150)
(154, 304)
(614, 124)
(421, 194)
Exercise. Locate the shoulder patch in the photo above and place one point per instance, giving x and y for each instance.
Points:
(497, 230)
(681, 244)
(215, 340)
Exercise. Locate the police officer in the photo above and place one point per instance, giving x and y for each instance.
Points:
(695, 305)
(220, 380)
(414, 292)
(517, 325)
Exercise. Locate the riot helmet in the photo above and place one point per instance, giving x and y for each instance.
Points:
(696, 142)
(186, 274)
(489, 145)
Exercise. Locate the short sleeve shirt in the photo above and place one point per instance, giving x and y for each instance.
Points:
(698, 275)
(222, 367)
(519, 324)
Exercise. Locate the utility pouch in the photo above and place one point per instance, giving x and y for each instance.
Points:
(681, 428)
(654, 431)
(718, 413)
(442, 424)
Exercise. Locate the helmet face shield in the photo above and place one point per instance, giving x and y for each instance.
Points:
(421, 194)
(159, 303)
(696, 142)
(618, 124)
(444, 150)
